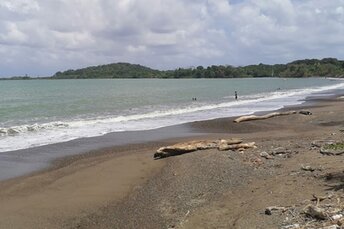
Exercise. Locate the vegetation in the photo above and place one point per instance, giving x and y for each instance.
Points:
(18, 78)
(335, 146)
(328, 67)
(119, 70)
(26, 77)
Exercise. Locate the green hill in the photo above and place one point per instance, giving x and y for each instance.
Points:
(118, 70)
(328, 67)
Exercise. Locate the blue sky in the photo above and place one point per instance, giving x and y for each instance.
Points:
(40, 37)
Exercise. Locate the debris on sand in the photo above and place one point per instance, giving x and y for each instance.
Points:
(307, 168)
(266, 155)
(327, 215)
(320, 143)
(240, 147)
(261, 117)
(318, 199)
(269, 210)
(292, 226)
(280, 151)
(331, 227)
(270, 115)
(315, 212)
(305, 112)
(336, 217)
(187, 147)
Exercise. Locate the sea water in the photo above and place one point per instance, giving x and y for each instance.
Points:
(41, 112)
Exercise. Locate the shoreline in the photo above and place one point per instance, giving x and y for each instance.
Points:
(51, 131)
(124, 181)
(36, 159)
(42, 157)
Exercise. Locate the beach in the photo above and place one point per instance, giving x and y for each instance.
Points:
(124, 187)
(172, 114)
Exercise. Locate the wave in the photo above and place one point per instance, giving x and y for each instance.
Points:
(204, 107)
(247, 99)
(26, 136)
(15, 130)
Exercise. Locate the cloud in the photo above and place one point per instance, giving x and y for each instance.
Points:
(40, 37)
(20, 6)
(12, 35)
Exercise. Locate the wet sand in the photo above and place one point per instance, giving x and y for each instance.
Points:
(123, 187)
(21, 162)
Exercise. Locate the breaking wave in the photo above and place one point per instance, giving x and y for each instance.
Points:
(15, 130)
(26, 136)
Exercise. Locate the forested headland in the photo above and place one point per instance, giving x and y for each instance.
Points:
(328, 67)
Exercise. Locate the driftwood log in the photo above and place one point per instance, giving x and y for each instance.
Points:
(237, 146)
(260, 117)
(187, 147)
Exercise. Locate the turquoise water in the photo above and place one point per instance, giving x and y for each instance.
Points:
(40, 112)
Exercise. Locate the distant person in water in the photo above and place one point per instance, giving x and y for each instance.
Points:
(236, 95)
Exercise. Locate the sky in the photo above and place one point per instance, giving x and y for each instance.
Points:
(41, 37)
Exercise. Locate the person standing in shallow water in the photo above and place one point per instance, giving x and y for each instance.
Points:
(236, 95)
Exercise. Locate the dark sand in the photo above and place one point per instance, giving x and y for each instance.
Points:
(21, 162)
(123, 187)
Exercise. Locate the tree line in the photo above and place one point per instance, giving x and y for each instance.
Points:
(327, 67)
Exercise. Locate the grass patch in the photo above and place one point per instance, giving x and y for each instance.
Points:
(335, 146)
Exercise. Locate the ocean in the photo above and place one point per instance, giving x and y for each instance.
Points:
(42, 112)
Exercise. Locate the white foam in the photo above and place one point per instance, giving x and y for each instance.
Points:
(26, 136)
(15, 130)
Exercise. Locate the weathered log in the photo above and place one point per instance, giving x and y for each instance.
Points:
(223, 144)
(191, 146)
(231, 141)
(237, 146)
(257, 117)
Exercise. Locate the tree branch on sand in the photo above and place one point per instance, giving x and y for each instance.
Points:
(260, 117)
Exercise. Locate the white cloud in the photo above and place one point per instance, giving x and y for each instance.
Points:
(44, 36)
(12, 35)
(20, 6)
(219, 7)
